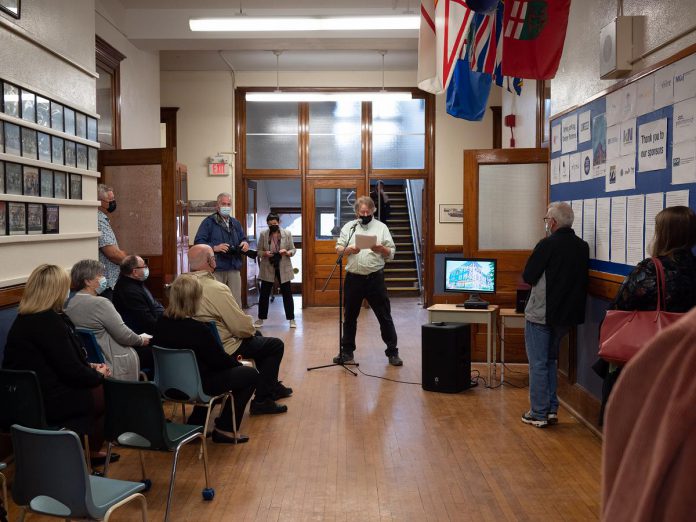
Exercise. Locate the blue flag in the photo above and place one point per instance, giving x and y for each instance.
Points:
(467, 93)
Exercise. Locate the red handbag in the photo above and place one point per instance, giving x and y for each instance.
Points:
(623, 333)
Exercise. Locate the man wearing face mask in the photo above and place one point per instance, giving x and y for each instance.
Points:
(224, 234)
(557, 272)
(365, 280)
(110, 254)
(139, 309)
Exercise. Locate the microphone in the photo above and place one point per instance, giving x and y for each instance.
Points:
(357, 222)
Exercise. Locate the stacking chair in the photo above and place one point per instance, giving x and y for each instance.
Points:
(51, 479)
(94, 351)
(213, 328)
(135, 419)
(178, 380)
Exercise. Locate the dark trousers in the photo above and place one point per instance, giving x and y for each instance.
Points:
(241, 381)
(267, 352)
(372, 288)
(147, 360)
(267, 288)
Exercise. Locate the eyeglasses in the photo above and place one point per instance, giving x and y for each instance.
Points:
(144, 266)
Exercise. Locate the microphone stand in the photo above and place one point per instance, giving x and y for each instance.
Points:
(339, 264)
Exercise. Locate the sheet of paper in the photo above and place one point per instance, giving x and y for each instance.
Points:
(635, 226)
(588, 224)
(613, 104)
(576, 205)
(556, 138)
(618, 229)
(574, 162)
(684, 162)
(652, 145)
(654, 203)
(584, 127)
(645, 94)
(664, 87)
(565, 169)
(627, 102)
(677, 198)
(613, 142)
(628, 138)
(684, 121)
(684, 78)
(365, 240)
(569, 134)
(555, 171)
(586, 165)
(600, 171)
(602, 229)
(622, 174)
(599, 140)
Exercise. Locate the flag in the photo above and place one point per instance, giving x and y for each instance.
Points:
(484, 52)
(444, 24)
(533, 36)
(467, 93)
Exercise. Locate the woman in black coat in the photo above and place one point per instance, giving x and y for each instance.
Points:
(220, 372)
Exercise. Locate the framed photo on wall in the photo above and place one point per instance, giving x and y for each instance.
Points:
(16, 218)
(32, 186)
(75, 186)
(13, 179)
(35, 218)
(202, 207)
(11, 7)
(3, 218)
(51, 219)
(60, 185)
(453, 213)
(46, 183)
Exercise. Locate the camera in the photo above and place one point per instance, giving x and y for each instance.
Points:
(237, 251)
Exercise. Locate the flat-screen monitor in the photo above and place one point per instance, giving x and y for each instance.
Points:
(471, 276)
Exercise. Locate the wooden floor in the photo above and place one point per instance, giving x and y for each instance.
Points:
(362, 449)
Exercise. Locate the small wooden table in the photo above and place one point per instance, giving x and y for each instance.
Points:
(509, 318)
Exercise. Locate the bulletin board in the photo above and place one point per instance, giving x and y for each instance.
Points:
(623, 156)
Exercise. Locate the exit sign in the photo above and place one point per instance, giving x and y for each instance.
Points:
(218, 169)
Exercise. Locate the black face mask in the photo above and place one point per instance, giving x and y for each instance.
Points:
(274, 228)
(111, 207)
(365, 219)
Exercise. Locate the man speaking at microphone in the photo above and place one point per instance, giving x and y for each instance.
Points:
(365, 280)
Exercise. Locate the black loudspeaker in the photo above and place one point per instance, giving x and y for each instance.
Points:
(446, 354)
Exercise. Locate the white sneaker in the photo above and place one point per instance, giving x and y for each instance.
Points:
(293, 324)
(258, 323)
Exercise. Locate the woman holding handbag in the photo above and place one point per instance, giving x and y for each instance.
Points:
(675, 236)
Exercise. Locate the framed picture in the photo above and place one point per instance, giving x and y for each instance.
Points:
(28, 106)
(29, 143)
(60, 185)
(57, 153)
(35, 221)
(92, 129)
(44, 141)
(92, 159)
(51, 219)
(12, 140)
(70, 154)
(11, 7)
(32, 186)
(2, 136)
(81, 156)
(3, 218)
(2, 177)
(46, 183)
(56, 116)
(10, 95)
(43, 111)
(199, 206)
(69, 120)
(75, 186)
(13, 178)
(81, 125)
(452, 213)
(16, 218)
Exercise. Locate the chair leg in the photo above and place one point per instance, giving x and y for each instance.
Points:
(205, 460)
(139, 496)
(22, 514)
(172, 478)
(183, 413)
(207, 422)
(108, 458)
(142, 464)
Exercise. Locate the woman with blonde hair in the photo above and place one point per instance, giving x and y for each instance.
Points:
(220, 372)
(42, 339)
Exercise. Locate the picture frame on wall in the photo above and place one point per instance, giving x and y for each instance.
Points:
(44, 141)
(43, 111)
(56, 116)
(3, 218)
(69, 120)
(16, 218)
(51, 219)
(29, 143)
(57, 151)
(81, 125)
(35, 218)
(13, 179)
(12, 140)
(70, 154)
(46, 183)
(28, 106)
(452, 213)
(202, 207)
(32, 184)
(81, 156)
(92, 159)
(10, 95)
(75, 186)
(60, 185)
(11, 7)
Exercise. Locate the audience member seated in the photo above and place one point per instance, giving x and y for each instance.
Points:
(219, 371)
(133, 300)
(87, 310)
(238, 334)
(42, 339)
(649, 450)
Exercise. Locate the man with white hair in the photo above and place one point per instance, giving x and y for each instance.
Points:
(224, 234)
(557, 272)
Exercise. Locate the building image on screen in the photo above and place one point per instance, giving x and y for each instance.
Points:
(469, 275)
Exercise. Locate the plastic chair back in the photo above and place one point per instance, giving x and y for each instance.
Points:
(21, 399)
(177, 375)
(51, 474)
(89, 340)
(216, 334)
(134, 415)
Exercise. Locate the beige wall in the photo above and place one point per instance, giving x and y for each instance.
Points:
(524, 108)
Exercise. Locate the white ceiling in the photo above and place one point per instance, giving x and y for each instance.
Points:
(162, 25)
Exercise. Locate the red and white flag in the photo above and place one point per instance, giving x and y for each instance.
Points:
(444, 25)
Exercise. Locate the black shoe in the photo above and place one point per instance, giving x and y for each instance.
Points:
(344, 358)
(281, 391)
(101, 459)
(395, 360)
(269, 406)
(221, 438)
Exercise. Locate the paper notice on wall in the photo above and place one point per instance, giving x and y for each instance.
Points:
(654, 203)
(684, 121)
(677, 198)
(586, 165)
(645, 94)
(574, 167)
(684, 78)
(569, 134)
(621, 174)
(627, 102)
(565, 169)
(555, 171)
(652, 145)
(618, 229)
(635, 226)
(613, 104)
(556, 138)
(602, 229)
(584, 127)
(588, 224)
(664, 87)
(613, 142)
(628, 138)
(576, 205)
(684, 162)
(599, 140)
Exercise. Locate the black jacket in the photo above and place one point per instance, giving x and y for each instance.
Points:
(560, 263)
(136, 305)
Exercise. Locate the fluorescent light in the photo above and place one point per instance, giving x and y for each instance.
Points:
(327, 96)
(288, 23)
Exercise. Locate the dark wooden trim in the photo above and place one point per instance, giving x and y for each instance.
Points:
(447, 249)
(581, 403)
(168, 117)
(603, 285)
(497, 111)
(429, 203)
(108, 55)
(11, 296)
(109, 59)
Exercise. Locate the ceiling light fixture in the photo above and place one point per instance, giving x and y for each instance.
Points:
(293, 23)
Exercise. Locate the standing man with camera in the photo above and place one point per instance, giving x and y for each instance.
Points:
(224, 234)
(276, 247)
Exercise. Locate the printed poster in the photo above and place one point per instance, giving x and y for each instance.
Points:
(584, 127)
(654, 203)
(628, 138)
(684, 78)
(684, 121)
(569, 134)
(602, 229)
(618, 229)
(621, 174)
(635, 225)
(556, 138)
(677, 198)
(565, 170)
(684, 162)
(577, 216)
(613, 102)
(555, 171)
(645, 95)
(627, 102)
(599, 142)
(588, 224)
(613, 142)
(664, 87)
(652, 145)
(574, 167)
(586, 165)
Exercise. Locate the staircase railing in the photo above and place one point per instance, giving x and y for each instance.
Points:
(414, 205)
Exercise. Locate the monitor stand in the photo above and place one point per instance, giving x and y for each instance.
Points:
(474, 302)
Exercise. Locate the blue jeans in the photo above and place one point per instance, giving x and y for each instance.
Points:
(542, 342)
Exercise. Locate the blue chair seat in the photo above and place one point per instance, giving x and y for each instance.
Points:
(106, 491)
